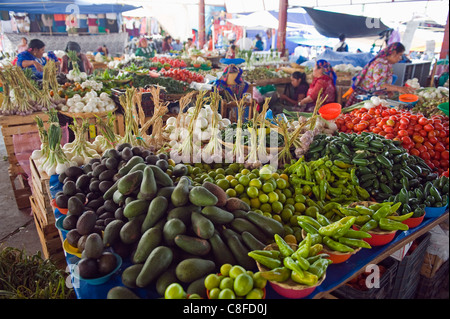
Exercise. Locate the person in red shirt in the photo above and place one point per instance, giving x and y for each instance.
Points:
(167, 44)
(324, 78)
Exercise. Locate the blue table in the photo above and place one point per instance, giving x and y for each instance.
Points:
(336, 275)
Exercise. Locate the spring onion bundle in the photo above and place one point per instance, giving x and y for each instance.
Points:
(75, 74)
(131, 126)
(80, 150)
(238, 150)
(108, 138)
(212, 152)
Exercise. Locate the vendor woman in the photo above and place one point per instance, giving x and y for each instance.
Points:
(324, 80)
(377, 74)
(294, 92)
(143, 49)
(83, 63)
(34, 59)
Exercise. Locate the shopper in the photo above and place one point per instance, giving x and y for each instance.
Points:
(33, 58)
(188, 45)
(83, 63)
(177, 45)
(324, 80)
(231, 52)
(293, 93)
(341, 46)
(143, 49)
(23, 46)
(259, 45)
(167, 44)
(103, 50)
(377, 74)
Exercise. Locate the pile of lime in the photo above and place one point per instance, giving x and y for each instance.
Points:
(234, 282)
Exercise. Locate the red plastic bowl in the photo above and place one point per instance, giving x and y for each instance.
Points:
(292, 293)
(337, 257)
(330, 111)
(61, 210)
(408, 98)
(414, 221)
(379, 237)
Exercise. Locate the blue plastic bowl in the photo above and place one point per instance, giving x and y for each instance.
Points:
(432, 212)
(100, 280)
(59, 224)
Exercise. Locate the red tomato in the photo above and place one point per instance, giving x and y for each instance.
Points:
(389, 136)
(423, 120)
(403, 133)
(428, 145)
(426, 156)
(404, 121)
(428, 127)
(418, 138)
(439, 147)
(414, 151)
(406, 140)
(445, 155)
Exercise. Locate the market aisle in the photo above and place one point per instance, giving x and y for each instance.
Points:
(17, 228)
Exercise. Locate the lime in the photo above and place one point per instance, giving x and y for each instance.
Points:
(220, 171)
(312, 211)
(244, 180)
(231, 192)
(239, 188)
(273, 197)
(290, 207)
(252, 192)
(255, 293)
(235, 271)
(245, 171)
(225, 269)
(212, 174)
(281, 183)
(234, 182)
(267, 187)
(286, 214)
(245, 199)
(214, 293)
(299, 207)
(220, 176)
(227, 293)
(174, 291)
(256, 182)
(300, 198)
(196, 170)
(255, 203)
(229, 177)
(234, 167)
(223, 183)
(194, 296)
(212, 281)
(265, 173)
(226, 282)
(208, 179)
(277, 217)
(263, 198)
(281, 197)
(290, 201)
(258, 280)
(277, 207)
(287, 192)
(307, 189)
(266, 208)
(243, 284)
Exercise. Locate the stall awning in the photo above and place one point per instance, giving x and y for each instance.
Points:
(331, 24)
(63, 6)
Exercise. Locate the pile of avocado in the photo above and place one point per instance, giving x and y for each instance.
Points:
(171, 230)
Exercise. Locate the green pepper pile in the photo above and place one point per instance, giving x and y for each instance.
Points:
(415, 198)
(338, 236)
(305, 266)
(382, 166)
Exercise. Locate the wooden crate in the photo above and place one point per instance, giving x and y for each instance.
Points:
(14, 125)
(40, 187)
(49, 237)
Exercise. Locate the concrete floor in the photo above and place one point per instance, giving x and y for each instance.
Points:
(17, 227)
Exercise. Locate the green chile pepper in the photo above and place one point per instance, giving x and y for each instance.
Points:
(307, 227)
(303, 263)
(268, 253)
(304, 247)
(390, 225)
(319, 267)
(362, 192)
(323, 221)
(357, 234)
(284, 247)
(315, 249)
(337, 246)
(383, 212)
(401, 217)
(371, 224)
(362, 219)
(278, 274)
(364, 210)
(313, 259)
(353, 242)
(309, 220)
(304, 278)
(342, 224)
(266, 261)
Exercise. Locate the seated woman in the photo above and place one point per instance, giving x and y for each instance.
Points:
(294, 92)
(324, 79)
(33, 58)
(231, 53)
(83, 63)
(377, 74)
(144, 50)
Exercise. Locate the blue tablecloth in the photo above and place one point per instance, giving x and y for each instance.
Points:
(335, 275)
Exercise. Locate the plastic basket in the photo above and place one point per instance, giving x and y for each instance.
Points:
(428, 288)
(408, 272)
(386, 282)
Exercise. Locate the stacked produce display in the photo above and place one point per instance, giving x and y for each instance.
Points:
(189, 204)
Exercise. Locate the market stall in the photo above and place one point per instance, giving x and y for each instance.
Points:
(158, 191)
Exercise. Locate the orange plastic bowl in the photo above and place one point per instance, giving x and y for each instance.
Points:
(414, 221)
(290, 293)
(379, 237)
(61, 210)
(408, 98)
(330, 111)
(264, 293)
(338, 257)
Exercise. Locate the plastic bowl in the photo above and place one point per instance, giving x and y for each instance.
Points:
(338, 257)
(100, 280)
(414, 221)
(59, 224)
(264, 293)
(432, 212)
(61, 210)
(444, 107)
(330, 111)
(408, 98)
(289, 288)
(68, 248)
(379, 237)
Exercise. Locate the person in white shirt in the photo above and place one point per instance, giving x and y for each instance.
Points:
(341, 46)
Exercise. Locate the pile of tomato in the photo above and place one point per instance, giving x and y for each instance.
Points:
(183, 75)
(174, 63)
(427, 138)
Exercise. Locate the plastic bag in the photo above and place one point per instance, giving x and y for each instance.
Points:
(439, 243)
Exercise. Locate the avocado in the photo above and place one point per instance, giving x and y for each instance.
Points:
(172, 228)
(120, 292)
(75, 206)
(152, 159)
(70, 221)
(130, 274)
(73, 171)
(69, 188)
(86, 222)
(192, 269)
(107, 175)
(88, 268)
(218, 192)
(94, 246)
(180, 170)
(162, 164)
(234, 203)
(83, 182)
(72, 237)
(112, 153)
(82, 243)
(137, 151)
(126, 154)
(112, 163)
(167, 277)
(201, 196)
(61, 201)
(106, 263)
(104, 186)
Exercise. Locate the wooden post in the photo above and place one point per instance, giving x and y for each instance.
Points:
(201, 24)
(444, 48)
(282, 23)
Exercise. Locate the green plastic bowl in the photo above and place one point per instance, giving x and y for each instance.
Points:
(443, 107)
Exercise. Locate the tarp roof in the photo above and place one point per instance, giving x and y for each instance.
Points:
(63, 6)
